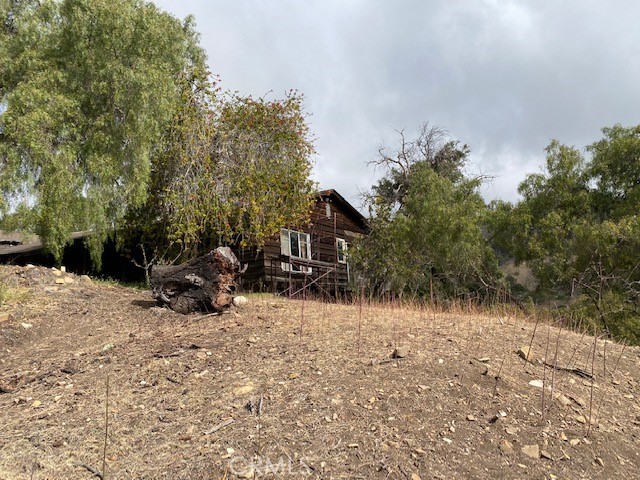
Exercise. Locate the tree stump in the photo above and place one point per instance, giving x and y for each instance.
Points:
(205, 283)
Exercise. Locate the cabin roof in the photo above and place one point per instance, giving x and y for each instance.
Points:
(349, 209)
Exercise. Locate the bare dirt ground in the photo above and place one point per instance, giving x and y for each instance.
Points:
(293, 389)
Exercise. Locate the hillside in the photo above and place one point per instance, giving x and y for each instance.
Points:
(292, 389)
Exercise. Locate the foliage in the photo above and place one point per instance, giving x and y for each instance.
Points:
(432, 146)
(426, 223)
(87, 87)
(577, 227)
(112, 122)
(540, 228)
(231, 171)
(615, 170)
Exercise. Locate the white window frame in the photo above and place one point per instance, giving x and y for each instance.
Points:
(344, 250)
(302, 239)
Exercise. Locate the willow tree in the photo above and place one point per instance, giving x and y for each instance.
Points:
(87, 87)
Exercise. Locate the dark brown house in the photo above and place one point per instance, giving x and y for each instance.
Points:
(315, 256)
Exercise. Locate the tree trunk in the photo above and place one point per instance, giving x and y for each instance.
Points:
(205, 283)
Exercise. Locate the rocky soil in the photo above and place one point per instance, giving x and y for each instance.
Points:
(290, 389)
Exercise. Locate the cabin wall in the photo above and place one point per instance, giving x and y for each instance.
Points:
(264, 268)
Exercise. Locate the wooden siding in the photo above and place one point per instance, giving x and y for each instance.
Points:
(264, 267)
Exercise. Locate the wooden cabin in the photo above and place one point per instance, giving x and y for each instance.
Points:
(314, 258)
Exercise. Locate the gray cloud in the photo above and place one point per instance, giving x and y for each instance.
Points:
(504, 77)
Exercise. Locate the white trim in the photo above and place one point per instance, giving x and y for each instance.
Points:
(345, 247)
(286, 237)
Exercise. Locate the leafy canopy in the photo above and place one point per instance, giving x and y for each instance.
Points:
(426, 222)
(229, 171)
(87, 87)
(110, 120)
(577, 227)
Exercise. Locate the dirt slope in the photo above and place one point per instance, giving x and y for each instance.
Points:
(286, 389)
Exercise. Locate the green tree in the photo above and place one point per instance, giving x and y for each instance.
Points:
(87, 87)
(432, 147)
(229, 171)
(542, 226)
(427, 223)
(615, 171)
(577, 227)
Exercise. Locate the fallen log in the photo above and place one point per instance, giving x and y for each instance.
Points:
(205, 283)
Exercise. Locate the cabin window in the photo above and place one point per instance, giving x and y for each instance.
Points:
(341, 247)
(296, 245)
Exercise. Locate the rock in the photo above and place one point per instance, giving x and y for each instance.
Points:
(4, 317)
(248, 473)
(59, 281)
(415, 476)
(240, 301)
(495, 418)
(68, 280)
(580, 419)
(599, 461)
(471, 418)
(506, 447)
(562, 399)
(526, 353)
(511, 430)
(108, 347)
(532, 451)
(86, 279)
(545, 454)
(536, 383)
(36, 404)
(484, 369)
(243, 390)
(578, 400)
(26, 326)
(400, 352)
(574, 442)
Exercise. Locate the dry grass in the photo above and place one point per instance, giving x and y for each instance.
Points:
(322, 397)
(11, 293)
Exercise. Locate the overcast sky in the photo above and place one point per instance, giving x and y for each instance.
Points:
(503, 76)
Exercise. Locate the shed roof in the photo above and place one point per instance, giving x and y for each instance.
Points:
(12, 243)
